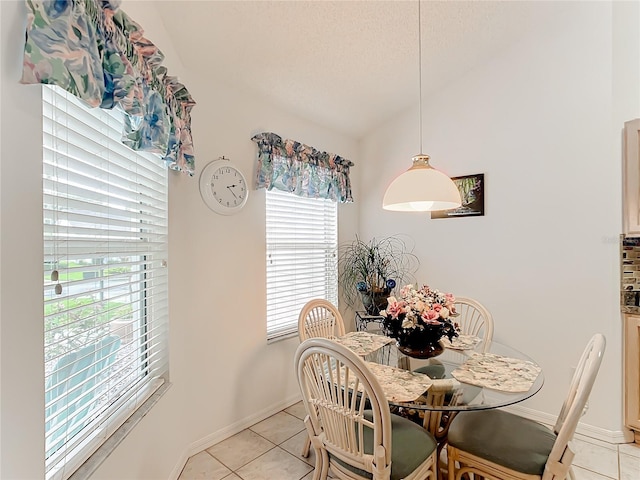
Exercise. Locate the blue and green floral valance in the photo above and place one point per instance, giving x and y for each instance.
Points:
(92, 49)
(300, 169)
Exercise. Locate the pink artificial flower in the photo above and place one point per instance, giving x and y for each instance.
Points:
(431, 317)
(394, 308)
(437, 307)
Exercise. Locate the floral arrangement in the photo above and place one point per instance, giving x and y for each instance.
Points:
(420, 309)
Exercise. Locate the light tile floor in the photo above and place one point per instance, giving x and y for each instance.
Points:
(270, 450)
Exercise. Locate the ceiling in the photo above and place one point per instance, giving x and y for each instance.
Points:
(346, 65)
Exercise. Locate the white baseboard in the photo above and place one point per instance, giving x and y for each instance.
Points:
(177, 470)
(583, 429)
(229, 431)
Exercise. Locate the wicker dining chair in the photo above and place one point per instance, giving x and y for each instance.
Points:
(495, 444)
(473, 318)
(319, 318)
(352, 430)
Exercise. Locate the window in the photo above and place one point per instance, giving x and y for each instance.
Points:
(105, 285)
(302, 238)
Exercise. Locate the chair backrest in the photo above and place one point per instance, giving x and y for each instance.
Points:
(473, 318)
(574, 407)
(328, 375)
(320, 318)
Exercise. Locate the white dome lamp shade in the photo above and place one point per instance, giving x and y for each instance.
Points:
(422, 188)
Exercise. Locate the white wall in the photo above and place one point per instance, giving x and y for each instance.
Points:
(21, 326)
(543, 122)
(224, 375)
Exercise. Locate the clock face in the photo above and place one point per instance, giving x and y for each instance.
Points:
(223, 187)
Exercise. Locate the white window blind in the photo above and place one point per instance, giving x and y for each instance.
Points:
(302, 238)
(105, 284)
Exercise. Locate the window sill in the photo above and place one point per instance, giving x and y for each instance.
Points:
(284, 336)
(89, 467)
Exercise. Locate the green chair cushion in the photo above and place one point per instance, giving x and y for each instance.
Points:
(503, 438)
(411, 445)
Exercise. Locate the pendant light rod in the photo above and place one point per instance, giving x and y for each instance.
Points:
(422, 188)
(420, 71)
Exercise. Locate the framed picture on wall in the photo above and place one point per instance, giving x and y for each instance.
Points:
(472, 194)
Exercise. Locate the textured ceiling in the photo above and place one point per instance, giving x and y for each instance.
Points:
(347, 65)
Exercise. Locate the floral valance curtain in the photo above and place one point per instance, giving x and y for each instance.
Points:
(92, 49)
(300, 169)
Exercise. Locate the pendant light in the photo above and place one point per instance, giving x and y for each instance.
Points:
(422, 188)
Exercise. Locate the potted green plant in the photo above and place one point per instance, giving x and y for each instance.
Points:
(369, 271)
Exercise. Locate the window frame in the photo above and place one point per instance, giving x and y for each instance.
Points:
(290, 241)
(130, 218)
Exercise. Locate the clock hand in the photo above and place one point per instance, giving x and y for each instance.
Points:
(234, 193)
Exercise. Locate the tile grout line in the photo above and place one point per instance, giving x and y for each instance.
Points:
(274, 445)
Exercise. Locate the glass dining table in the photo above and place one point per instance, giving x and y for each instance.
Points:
(469, 375)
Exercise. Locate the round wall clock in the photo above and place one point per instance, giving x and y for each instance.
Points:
(223, 187)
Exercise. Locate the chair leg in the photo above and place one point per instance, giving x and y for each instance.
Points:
(306, 447)
(321, 471)
(435, 473)
(451, 464)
